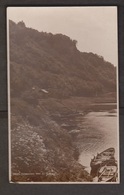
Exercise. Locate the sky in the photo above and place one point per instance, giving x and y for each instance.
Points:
(95, 28)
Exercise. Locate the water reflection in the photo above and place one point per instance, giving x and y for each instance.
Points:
(99, 132)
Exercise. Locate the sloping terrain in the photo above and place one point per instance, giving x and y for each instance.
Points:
(52, 62)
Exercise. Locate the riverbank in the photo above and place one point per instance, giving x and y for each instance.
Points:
(44, 140)
(80, 117)
(74, 104)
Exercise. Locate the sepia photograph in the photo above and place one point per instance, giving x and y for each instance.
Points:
(63, 99)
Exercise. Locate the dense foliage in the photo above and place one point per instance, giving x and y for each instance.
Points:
(52, 62)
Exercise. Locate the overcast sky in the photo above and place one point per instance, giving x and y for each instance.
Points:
(95, 28)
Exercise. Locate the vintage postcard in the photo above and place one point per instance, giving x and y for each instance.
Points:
(63, 95)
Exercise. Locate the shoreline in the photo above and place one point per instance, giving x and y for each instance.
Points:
(56, 112)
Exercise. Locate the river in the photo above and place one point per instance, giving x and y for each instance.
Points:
(99, 131)
(93, 130)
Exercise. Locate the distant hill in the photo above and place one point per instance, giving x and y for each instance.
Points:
(41, 60)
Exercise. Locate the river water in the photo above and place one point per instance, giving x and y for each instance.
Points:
(98, 131)
(93, 130)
